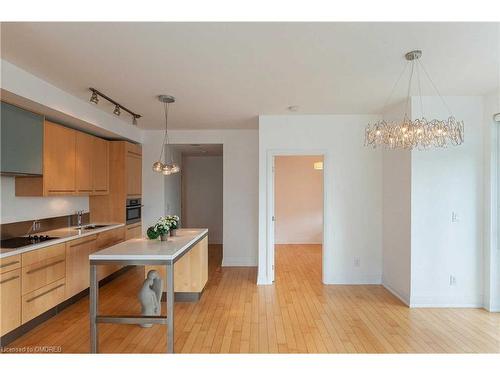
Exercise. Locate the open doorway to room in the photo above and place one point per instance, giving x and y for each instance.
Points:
(298, 217)
(196, 195)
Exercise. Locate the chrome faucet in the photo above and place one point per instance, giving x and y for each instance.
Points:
(79, 214)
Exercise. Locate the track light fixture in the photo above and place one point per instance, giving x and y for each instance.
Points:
(94, 98)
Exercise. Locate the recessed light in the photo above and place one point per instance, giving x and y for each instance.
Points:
(293, 108)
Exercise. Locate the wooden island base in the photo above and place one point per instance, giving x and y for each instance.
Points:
(190, 274)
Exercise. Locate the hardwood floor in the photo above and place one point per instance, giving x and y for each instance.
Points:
(297, 314)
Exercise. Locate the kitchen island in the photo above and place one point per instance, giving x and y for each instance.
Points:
(160, 254)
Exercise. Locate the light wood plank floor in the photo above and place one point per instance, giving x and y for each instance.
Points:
(297, 314)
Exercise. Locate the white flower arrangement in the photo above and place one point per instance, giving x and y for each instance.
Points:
(163, 226)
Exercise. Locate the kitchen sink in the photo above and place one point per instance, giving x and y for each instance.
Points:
(94, 226)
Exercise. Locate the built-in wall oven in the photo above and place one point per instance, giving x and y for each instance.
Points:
(133, 210)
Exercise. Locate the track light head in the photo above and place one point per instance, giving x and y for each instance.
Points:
(134, 120)
(94, 98)
(117, 110)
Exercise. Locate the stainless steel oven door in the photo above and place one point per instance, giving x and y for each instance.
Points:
(133, 214)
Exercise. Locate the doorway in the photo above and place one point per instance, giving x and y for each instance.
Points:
(298, 217)
(196, 194)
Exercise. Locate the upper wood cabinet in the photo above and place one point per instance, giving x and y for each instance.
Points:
(84, 161)
(74, 163)
(100, 166)
(133, 161)
(59, 152)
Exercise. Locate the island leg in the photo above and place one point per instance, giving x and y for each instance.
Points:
(94, 300)
(170, 307)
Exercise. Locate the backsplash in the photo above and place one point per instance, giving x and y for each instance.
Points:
(15, 209)
(22, 228)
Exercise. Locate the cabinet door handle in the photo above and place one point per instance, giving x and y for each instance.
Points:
(9, 279)
(43, 267)
(82, 243)
(44, 293)
(9, 264)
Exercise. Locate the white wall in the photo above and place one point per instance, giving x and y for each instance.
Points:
(29, 208)
(353, 183)
(492, 204)
(240, 185)
(396, 235)
(298, 200)
(202, 195)
(445, 181)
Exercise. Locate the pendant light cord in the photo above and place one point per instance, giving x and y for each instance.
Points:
(165, 138)
(384, 108)
(435, 88)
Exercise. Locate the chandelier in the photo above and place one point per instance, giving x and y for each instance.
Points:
(167, 167)
(420, 133)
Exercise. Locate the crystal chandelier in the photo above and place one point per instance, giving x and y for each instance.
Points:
(420, 133)
(169, 166)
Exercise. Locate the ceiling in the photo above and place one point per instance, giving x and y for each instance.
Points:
(204, 149)
(225, 74)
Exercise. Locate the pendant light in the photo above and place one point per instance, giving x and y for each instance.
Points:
(420, 133)
(168, 166)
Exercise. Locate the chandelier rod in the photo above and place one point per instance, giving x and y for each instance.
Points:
(409, 88)
(384, 108)
(435, 88)
(420, 91)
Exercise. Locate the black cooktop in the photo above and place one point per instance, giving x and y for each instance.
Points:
(13, 243)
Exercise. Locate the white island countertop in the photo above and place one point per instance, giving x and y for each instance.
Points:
(144, 249)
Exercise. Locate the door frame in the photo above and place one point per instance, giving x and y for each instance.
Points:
(270, 206)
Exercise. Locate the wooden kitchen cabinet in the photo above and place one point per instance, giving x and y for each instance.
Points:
(10, 301)
(134, 170)
(104, 240)
(42, 299)
(100, 166)
(190, 272)
(74, 163)
(77, 264)
(133, 231)
(84, 163)
(59, 159)
(10, 263)
(39, 274)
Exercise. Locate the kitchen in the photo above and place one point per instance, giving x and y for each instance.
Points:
(44, 262)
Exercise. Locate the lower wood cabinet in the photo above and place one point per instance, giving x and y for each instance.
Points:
(133, 231)
(34, 282)
(104, 240)
(190, 272)
(77, 264)
(42, 299)
(37, 275)
(10, 301)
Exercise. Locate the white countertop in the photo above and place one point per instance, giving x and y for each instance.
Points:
(64, 234)
(146, 249)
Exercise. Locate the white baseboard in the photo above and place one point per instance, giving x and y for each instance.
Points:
(403, 297)
(447, 301)
(299, 243)
(239, 262)
(355, 280)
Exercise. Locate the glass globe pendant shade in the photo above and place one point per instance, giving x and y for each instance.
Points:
(167, 170)
(175, 168)
(158, 166)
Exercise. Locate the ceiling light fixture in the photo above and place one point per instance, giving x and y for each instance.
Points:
(420, 133)
(94, 98)
(168, 166)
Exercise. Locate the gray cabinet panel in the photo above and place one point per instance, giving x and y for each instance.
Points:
(21, 141)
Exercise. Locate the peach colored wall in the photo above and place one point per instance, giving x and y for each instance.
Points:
(298, 200)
